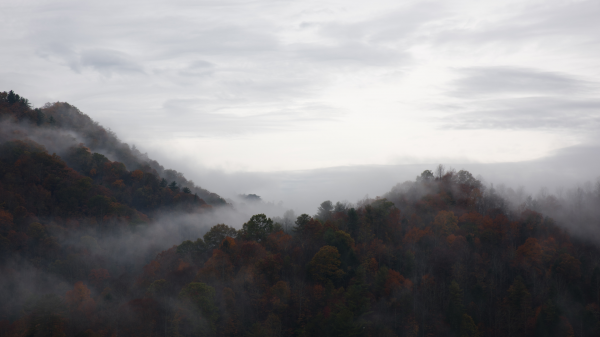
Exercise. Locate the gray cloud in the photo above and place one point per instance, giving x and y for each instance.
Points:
(528, 113)
(486, 81)
(212, 122)
(214, 69)
(109, 62)
(522, 98)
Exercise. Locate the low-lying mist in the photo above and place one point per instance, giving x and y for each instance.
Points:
(566, 170)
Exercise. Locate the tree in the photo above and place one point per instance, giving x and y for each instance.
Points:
(173, 186)
(455, 306)
(425, 176)
(440, 170)
(188, 246)
(12, 98)
(288, 220)
(353, 222)
(529, 256)
(301, 222)
(217, 233)
(186, 190)
(466, 178)
(468, 327)
(100, 204)
(445, 223)
(257, 228)
(201, 298)
(518, 305)
(325, 265)
(163, 183)
(137, 174)
(79, 300)
(324, 211)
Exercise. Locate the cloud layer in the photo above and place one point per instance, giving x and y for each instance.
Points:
(273, 85)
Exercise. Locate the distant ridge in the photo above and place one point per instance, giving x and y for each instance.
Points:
(62, 128)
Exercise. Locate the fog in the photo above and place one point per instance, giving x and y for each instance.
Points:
(303, 191)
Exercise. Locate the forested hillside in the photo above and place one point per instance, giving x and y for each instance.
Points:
(438, 256)
(83, 144)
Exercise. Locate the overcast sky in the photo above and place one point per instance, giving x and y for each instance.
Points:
(249, 86)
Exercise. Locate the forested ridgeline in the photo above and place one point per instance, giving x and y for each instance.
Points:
(81, 142)
(438, 258)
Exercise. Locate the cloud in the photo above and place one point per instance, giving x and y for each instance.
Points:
(490, 81)
(109, 62)
(227, 122)
(528, 113)
(330, 70)
(556, 23)
(522, 98)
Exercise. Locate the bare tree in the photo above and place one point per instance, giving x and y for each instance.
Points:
(440, 170)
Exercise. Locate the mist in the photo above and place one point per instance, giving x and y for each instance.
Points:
(304, 190)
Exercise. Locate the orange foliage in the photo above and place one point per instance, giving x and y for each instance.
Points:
(79, 299)
(414, 235)
(396, 281)
(529, 255)
(137, 174)
(377, 249)
(118, 183)
(445, 222)
(415, 221)
(228, 244)
(182, 265)
(251, 251)
(372, 265)
(279, 241)
(150, 271)
(219, 266)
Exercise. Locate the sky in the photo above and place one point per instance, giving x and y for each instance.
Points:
(263, 92)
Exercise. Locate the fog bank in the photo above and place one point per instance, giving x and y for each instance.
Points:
(303, 191)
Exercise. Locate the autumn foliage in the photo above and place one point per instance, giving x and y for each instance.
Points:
(440, 256)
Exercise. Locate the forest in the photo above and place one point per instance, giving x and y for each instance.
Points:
(442, 255)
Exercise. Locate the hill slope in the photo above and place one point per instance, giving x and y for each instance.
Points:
(440, 256)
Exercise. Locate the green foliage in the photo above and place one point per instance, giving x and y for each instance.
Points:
(426, 176)
(257, 228)
(158, 288)
(173, 186)
(455, 311)
(468, 327)
(324, 211)
(100, 205)
(202, 298)
(353, 222)
(217, 234)
(301, 222)
(195, 247)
